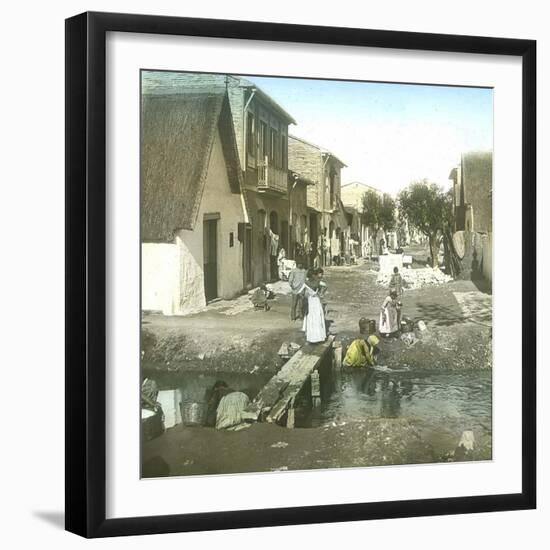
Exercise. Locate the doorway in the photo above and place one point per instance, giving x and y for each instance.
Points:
(283, 241)
(247, 255)
(210, 249)
(274, 246)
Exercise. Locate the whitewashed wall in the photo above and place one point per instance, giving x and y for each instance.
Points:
(159, 277)
(488, 257)
(173, 274)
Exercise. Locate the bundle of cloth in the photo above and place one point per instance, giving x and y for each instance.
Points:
(227, 408)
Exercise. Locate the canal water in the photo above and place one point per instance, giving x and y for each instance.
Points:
(188, 392)
(441, 405)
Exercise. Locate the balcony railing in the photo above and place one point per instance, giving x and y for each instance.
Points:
(271, 178)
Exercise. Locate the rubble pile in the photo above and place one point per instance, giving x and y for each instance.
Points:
(417, 278)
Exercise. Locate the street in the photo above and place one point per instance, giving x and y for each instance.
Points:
(413, 409)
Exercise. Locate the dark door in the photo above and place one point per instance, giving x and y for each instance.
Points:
(247, 256)
(283, 242)
(210, 248)
(314, 237)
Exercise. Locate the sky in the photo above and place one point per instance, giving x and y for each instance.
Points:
(387, 134)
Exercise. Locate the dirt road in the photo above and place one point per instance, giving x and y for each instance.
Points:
(416, 416)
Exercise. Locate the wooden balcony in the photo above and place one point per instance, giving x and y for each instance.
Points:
(271, 179)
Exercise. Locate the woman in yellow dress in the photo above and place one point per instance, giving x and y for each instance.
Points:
(361, 352)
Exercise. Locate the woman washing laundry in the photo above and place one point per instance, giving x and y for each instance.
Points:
(363, 350)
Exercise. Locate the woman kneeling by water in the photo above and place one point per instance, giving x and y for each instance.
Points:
(361, 352)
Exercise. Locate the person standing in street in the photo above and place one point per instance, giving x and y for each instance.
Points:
(322, 288)
(314, 320)
(396, 282)
(389, 315)
(296, 280)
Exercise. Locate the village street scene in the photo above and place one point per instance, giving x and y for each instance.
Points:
(316, 277)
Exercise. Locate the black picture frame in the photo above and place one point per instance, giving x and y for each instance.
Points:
(86, 273)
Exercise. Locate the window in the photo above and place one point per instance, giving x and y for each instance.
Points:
(250, 135)
(284, 151)
(264, 140)
(273, 154)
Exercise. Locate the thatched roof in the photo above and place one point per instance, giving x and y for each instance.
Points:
(177, 135)
(322, 151)
(170, 82)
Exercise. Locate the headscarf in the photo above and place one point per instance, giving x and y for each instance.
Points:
(373, 340)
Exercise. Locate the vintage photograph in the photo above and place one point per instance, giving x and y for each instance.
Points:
(316, 273)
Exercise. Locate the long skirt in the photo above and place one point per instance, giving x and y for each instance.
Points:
(314, 321)
(388, 322)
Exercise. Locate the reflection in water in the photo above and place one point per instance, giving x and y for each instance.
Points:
(431, 396)
(190, 392)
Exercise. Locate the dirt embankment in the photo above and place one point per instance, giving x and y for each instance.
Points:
(233, 337)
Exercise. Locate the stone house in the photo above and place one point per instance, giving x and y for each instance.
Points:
(472, 183)
(352, 198)
(472, 192)
(298, 215)
(327, 223)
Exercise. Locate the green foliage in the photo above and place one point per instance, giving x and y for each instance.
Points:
(429, 209)
(378, 211)
(426, 206)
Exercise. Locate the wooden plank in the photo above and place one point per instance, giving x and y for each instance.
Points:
(273, 390)
(291, 418)
(297, 375)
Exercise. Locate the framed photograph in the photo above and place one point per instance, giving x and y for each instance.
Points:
(300, 274)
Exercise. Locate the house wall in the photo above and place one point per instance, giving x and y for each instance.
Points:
(261, 205)
(217, 197)
(173, 274)
(487, 261)
(254, 152)
(306, 160)
(477, 185)
(159, 277)
(352, 194)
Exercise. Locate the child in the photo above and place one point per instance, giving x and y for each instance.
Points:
(396, 282)
(259, 298)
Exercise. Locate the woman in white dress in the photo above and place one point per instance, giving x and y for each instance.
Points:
(389, 315)
(314, 320)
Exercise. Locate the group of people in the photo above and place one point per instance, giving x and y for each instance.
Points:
(308, 290)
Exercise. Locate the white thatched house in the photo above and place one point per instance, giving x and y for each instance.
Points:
(193, 211)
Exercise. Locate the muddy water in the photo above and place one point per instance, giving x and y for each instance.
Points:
(441, 405)
(192, 389)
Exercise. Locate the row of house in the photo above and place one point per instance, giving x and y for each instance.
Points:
(225, 187)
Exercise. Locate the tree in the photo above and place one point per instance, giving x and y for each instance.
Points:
(428, 208)
(378, 211)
